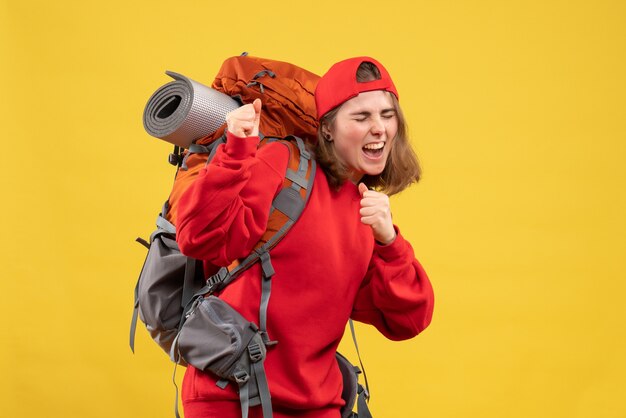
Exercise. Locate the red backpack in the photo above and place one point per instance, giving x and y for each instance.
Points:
(170, 284)
(287, 93)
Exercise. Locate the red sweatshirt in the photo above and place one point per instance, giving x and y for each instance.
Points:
(328, 269)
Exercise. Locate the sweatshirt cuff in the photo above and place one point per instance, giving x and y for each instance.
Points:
(241, 148)
(397, 248)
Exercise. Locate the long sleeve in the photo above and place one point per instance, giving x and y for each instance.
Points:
(396, 295)
(225, 211)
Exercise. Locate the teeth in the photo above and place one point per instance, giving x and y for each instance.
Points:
(377, 145)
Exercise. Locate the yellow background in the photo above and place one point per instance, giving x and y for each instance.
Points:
(516, 108)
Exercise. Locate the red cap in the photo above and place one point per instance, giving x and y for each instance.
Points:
(339, 84)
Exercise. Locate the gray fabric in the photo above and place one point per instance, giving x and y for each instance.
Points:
(244, 400)
(215, 336)
(184, 110)
(210, 334)
(350, 385)
(258, 372)
(353, 392)
(305, 157)
(197, 149)
(362, 409)
(266, 290)
(133, 320)
(193, 269)
(163, 226)
(289, 202)
(159, 290)
(297, 178)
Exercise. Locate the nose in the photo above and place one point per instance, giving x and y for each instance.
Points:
(378, 127)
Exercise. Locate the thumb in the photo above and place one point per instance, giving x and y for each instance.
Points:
(257, 105)
(362, 188)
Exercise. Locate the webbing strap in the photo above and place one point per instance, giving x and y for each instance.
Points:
(266, 264)
(296, 177)
(215, 144)
(216, 281)
(264, 391)
(200, 149)
(244, 399)
(196, 149)
(291, 209)
(266, 290)
(356, 345)
(166, 226)
(305, 156)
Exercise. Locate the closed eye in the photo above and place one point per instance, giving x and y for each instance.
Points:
(388, 113)
(361, 116)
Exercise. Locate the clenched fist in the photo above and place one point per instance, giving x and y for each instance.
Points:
(244, 121)
(376, 212)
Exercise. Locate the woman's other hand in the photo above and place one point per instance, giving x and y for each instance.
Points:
(376, 212)
(244, 121)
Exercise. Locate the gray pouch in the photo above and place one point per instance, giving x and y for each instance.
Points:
(166, 284)
(215, 337)
(164, 265)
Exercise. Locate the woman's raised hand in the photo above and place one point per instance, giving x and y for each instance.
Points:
(376, 212)
(244, 121)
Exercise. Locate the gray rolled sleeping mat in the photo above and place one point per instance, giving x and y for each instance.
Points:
(184, 110)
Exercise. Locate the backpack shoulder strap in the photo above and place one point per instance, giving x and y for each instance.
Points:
(287, 207)
(291, 200)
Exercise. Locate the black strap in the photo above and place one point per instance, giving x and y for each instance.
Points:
(191, 268)
(266, 290)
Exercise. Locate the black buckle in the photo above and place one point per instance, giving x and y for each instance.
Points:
(217, 279)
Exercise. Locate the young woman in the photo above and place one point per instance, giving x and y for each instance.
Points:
(344, 258)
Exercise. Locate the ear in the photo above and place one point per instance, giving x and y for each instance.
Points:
(326, 132)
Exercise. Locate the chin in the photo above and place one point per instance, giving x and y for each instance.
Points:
(375, 171)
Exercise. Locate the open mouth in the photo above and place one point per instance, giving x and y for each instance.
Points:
(374, 150)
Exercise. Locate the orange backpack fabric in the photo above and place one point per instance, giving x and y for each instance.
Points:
(287, 93)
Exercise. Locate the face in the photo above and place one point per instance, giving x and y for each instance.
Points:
(363, 133)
